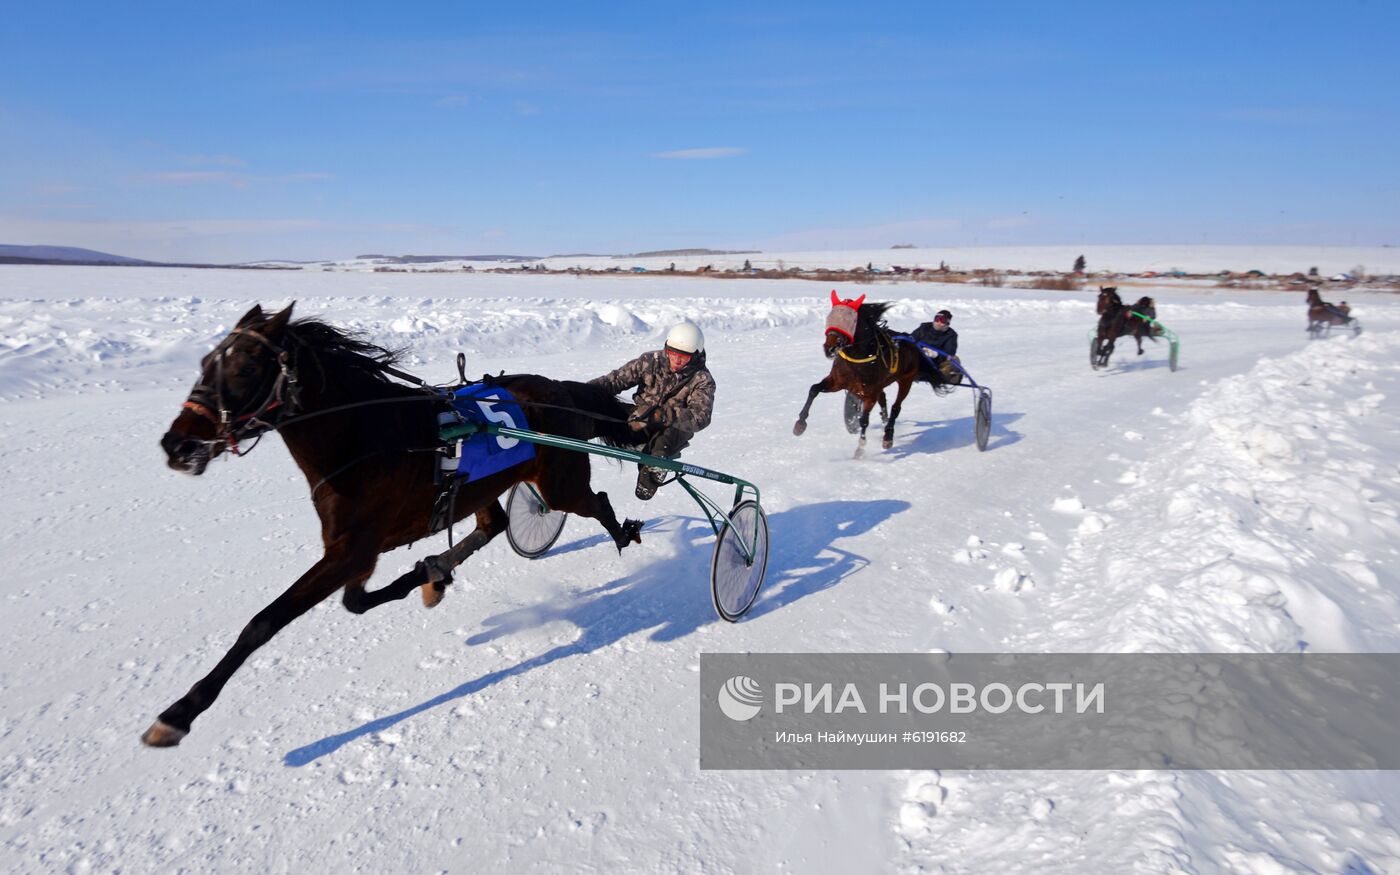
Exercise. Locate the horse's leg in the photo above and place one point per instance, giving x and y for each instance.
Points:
(595, 505)
(868, 405)
(884, 411)
(432, 575)
(899, 397)
(812, 393)
(348, 561)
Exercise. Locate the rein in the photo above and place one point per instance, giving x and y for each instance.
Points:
(281, 406)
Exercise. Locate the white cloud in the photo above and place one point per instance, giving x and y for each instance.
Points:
(920, 232)
(1008, 222)
(194, 177)
(224, 177)
(701, 154)
(215, 160)
(1273, 116)
(74, 233)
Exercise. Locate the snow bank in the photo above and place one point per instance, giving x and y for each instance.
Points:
(1205, 551)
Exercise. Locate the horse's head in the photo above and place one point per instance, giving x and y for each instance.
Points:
(1314, 298)
(841, 323)
(1108, 297)
(245, 378)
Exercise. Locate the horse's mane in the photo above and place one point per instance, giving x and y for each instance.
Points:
(346, 347)
(872, 313)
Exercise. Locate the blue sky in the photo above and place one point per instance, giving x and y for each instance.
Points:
(230, 132)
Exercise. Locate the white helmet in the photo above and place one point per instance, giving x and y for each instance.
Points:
(685, 337)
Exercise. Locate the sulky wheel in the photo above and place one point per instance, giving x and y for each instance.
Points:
(854, 408)
(982, 426)
(735, 573)
(532, 528)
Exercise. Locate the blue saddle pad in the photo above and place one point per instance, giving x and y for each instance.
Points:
(482, 455)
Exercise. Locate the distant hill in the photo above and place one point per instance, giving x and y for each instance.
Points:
(13, 254)
(663, 253)
(429, 259)
(62, 255)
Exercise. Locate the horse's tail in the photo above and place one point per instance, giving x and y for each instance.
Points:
(609, 420)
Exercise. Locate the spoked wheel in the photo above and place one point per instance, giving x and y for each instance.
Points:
(1171, 358)
(1355, 328)
(983, 423)
(532, 528)
(736, 573)
(854, 408)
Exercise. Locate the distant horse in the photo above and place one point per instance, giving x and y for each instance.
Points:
(1116, 319)
(1111, 312)
(865, 359)
(1322, 315)
(369, 449)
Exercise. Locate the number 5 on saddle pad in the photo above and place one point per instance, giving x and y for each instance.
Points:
(482, 455)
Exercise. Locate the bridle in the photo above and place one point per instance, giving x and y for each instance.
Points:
(208, 400)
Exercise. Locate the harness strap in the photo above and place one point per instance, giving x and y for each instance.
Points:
(884, 342)
(856, 361)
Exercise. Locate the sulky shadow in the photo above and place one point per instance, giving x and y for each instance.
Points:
(928, 437)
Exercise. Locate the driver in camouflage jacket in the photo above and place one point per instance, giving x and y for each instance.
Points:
(674, 399)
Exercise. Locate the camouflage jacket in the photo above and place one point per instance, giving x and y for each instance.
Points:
(688, 409)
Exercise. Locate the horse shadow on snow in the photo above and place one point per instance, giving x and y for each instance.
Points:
(670, 597)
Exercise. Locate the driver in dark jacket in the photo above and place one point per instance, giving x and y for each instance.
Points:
(939, 334)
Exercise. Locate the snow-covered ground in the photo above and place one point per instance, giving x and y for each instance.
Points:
(544, 716)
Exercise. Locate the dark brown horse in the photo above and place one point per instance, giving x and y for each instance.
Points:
(1322, 315)
(368, 447)
(865, 359)
(1116, 319)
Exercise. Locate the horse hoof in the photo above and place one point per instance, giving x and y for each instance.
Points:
(887, 443)
(163, 735)
(799, 427)
(432, 594)
(631, 533)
